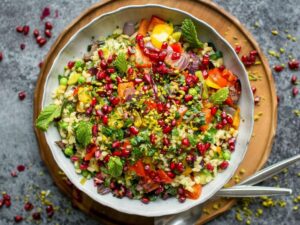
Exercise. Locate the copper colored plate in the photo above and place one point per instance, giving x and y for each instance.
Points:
(264, 129)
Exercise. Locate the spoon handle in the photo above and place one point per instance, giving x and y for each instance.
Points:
(252, 191)
(269, 171)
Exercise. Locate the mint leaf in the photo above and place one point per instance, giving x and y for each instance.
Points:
(115, 166)
(189, 33)
(121, 63)
(83, 133)
(220, 96)
(48, 114)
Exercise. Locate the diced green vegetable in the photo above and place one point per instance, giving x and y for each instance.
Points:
(63, 81)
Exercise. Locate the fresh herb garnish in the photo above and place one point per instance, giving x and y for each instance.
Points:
(48, 114)
(220, 96)
(189, 33)
(121, 63)
(83, 133)
(115, 166)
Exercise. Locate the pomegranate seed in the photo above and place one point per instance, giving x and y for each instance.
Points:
(28, 206)
(48, 25)
(253, 88)
(224, 122)
(103, 64)
(154, 56)
(46, 12)
(6, 197)
(19, 29)
(209, 167)
(181, 199)
(89, 111)
(278, 68)
(253, 53)
(138, 81)
(71, 64)
(166, 141)
(219, 126)
(130, 71)
(105, 119)
(160, 107)
(295, 91)
(294, 64)
(22, 95)
(116, 144)
(18, 218)
(139, 37)
(49, 211)
(164, 45)
(106, 158)
(114, 101)
(125, 152)
(152, 138)
(213, 110)
(229, 119)
(180, 167)
(133, 130)
(108, 80)
(173, 123)
(42, 42)
(22, 46)
(224, 165)
(221, 68)
(175, 55)
(205, 60)
(95, 130)
(162, 55)
(117, 153)
(1, 56)
(101, 75)
(231, 148)
(14, 174)
(170, 174)
(145, 200)
(167, 129)
(7, 203)
(74, 158)
(256, 100)
(185, 142)
(36, 33)
(48, 33)
(147, 78)
(100, 54)
(26, 29)
(172, 166)
(110, 70)
(188, 98)
(294, 79)
(20, 168)
(238, 49)
(36, 216)
(141, 43)
(201, 148)
(223, 115)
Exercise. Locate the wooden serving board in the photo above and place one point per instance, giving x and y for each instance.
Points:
(264, 129)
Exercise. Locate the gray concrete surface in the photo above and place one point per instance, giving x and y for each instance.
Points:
(19, 71)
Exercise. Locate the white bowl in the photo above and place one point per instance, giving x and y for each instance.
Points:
(104, 25)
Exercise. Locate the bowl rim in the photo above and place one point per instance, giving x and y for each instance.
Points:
(170, 210)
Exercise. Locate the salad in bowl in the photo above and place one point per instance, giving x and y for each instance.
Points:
(148, 112)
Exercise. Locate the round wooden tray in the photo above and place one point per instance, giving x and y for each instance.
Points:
(264, 129)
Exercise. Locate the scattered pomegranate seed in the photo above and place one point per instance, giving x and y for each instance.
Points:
(70, 64)
(256, 100)
(46, 12)
(19, 29)
(114, 101)
(22, 46)
(22, 95)
(48, 25)
(21, 168)
(238, 49)
(253, 88)
(50, 211)
(42, 42)
(13, 174)
(133, 130)
(224, 165)
(36, 216)
(48, 33)
(295, 91)
(170, 174)
(181, 199)
(213, 110)
(209, 167)
(294, 79)
(188, 98)
(18, 218)
(103, 64)
(1, 56)
(145, 200)
(167, 129)
(278, 68)
(294, 64)
(36, 32)
(41, 64)
(166, 141)
(26, 29)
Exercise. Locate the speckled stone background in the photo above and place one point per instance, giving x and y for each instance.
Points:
(19, 71)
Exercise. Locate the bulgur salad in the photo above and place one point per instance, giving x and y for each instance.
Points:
(148, 112)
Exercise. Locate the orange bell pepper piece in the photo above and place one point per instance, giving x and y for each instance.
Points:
(197, 189)
(216, 76)
(164, 177)
(122, 88)
(154, 21)
(141, 60)
(138, 168)
(143, 28)
(208, 118)
(91, 153)
(236, 119)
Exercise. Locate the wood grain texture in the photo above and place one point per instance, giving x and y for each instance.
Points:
(264, 129)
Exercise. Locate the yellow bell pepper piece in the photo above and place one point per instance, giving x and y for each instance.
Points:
(83, 95)
(187, 171)
(210, 83)
(160, 33)
(176, 36)
(73, 78)
(236, 119)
